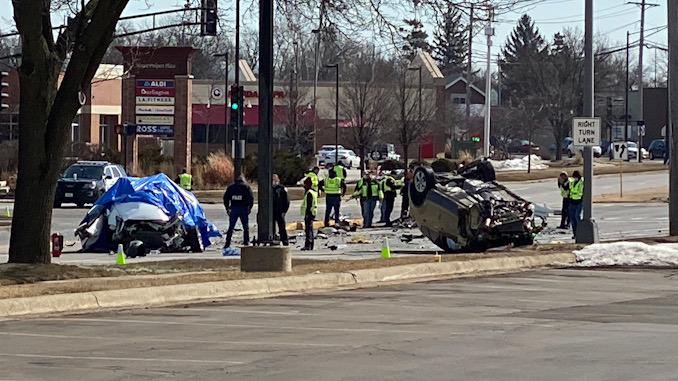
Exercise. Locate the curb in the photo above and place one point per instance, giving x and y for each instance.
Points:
(265, 287)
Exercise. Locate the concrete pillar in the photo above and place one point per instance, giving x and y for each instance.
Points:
(266, 258)
(182, 122)
(130, 143)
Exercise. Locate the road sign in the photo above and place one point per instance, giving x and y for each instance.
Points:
(642, 130)
(586, 131)
(217, 92)
(620, 151)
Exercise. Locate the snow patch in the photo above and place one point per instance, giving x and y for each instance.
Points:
(627, 254)
(519, 164)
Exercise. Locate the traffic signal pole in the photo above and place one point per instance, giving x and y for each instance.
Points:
(239, 148)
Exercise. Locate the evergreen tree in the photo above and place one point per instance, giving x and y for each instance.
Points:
(416, 39)
(524, 49)
(449, 42)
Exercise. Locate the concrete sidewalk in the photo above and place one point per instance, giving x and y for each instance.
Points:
(265, 287)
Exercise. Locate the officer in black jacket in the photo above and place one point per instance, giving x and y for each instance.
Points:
(281, 204)
(238, 200)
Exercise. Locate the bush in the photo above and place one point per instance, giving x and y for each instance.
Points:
(443, 165)
(249, 167)
(217, 171)
(390, 165)
(289, 167)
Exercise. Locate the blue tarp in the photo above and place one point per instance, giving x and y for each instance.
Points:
(160, 191)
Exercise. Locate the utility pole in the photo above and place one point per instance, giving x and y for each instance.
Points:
(498, 79)
(673, 123)
(587, 230)
(265, 147)
(626, 93)
(315, 78)
(239, 148)
(489, 32)
(469, 69)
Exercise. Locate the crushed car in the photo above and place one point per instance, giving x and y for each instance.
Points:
(144, 214)
(468, 210)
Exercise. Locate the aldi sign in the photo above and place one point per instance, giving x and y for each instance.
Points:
(154, 83)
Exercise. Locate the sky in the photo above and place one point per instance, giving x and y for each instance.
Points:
(612, 19)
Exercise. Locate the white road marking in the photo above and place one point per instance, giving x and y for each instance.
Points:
(138, 338)
(226, 325)
(63, 357)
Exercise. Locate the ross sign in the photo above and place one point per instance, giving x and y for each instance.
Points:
(149, 129)
(620, 151)
(586, 131)
(155, 119)
(155, 100)
(154, 91)
(154, 110)
(154, 83)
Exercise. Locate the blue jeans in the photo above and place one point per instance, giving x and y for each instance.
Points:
(368, 211)
(332, 202)
(238, 213)
(574, 211)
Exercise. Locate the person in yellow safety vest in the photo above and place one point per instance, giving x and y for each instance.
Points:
(340, 171)
(309, 209)
(313, 175)
(576, 187)
(564, 186)
(371, 193)
(334, 188)
(388, 188)
(185, 180)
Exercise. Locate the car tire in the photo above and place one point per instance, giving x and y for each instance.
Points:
(194, 240)
(135, 249)
(422, 182)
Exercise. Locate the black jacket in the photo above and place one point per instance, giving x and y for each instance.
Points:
(238, 194)
(281, 202)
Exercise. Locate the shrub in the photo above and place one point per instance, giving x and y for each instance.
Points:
(249, 167)
(290, 167)
(390, 165)
(218, 171)
(443, 165)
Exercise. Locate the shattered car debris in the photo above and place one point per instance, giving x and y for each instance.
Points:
(469, 210)
(153, 212)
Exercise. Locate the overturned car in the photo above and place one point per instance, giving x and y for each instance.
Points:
(143, 214)
(469, 210)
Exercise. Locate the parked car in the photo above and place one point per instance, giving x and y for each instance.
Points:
(632, 148)
(382, 152)
(572, 149)
(657, 149)
(566, 143)
(324, 151)
(347, 158)
(85, 181)
(522, 146)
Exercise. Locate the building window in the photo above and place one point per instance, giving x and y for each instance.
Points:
(9, 126)
(459, 101)
(104, 130)
(75, 129)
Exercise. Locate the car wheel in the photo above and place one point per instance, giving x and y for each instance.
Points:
(422, 182)
(135, 249)
(194, 239)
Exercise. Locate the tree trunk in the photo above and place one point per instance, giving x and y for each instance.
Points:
(406, 154)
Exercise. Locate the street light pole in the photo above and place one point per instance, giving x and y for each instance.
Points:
(225, 94)
(418, 68)
(336, 114)
(489, 32)
(239, 154)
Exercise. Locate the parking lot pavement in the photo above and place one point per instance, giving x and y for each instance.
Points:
(550, 324)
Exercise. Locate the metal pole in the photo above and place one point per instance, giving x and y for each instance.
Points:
(315, 79)
(225, 55)
(488, 90)
(672, 18)
(420, 121)
(265, 148)
(626, 92)
(640, 79)
(336, 119)
(469, 69)
(236, 72)
(587, 230)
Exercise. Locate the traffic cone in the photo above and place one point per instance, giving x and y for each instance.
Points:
(385, 249)
(120, 256)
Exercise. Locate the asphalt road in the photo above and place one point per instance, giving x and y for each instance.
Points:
(546, 325)
(615, 221)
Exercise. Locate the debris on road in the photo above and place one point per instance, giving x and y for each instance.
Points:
(628, 254)
(357, 238)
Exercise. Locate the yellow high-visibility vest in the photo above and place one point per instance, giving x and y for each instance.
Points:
(314, 203)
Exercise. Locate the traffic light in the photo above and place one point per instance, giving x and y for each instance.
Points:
(236, 105)
(3, 94)
(475, 138)
(208, 18)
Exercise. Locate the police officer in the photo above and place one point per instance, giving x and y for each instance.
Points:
(334, 188)
(340, 171)
(313, 175)
(369, 192)
(185, 180)
(281, 204)
(309, 209)
(576, 186)
(238, 200)
(388, 189)
(564, 186)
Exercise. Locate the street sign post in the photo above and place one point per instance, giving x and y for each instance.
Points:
(586, 133)
(620, 152)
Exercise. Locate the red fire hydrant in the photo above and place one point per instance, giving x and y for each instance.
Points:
(57, 244)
